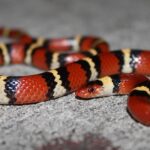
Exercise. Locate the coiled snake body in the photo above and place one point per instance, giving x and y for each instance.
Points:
(74, 71)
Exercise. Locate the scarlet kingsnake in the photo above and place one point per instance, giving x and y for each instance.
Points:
(68, 72)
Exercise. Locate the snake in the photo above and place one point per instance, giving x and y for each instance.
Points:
(83, 64)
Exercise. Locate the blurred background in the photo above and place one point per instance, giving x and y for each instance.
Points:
(127, 20)
(123, 23)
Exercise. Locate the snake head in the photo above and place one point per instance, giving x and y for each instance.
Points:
(92, 90)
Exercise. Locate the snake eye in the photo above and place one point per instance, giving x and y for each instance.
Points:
(91, 89)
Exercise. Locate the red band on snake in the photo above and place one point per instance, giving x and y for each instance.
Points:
(74, 70)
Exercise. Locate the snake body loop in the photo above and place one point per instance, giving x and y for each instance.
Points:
(66, 72)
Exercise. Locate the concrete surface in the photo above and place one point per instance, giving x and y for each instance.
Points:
(124, 23)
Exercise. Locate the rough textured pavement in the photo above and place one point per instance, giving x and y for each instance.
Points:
(124, 24)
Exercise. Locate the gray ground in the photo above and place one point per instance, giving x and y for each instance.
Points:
(124, 23)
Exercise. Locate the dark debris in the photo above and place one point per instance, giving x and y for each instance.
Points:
(89, 142)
